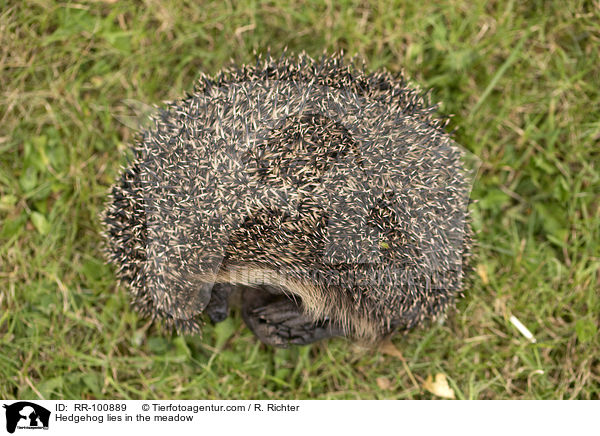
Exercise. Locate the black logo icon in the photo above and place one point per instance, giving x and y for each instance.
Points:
(26, 415)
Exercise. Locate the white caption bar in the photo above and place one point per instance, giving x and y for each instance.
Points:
(249, 417)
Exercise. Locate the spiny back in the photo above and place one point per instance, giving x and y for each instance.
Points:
(314, 177)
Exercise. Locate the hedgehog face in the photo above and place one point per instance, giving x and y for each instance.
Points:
(332, 200)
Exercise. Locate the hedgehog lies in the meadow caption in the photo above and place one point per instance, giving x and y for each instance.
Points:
(330, 199)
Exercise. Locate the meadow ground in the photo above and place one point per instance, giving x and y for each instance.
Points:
(522, 80)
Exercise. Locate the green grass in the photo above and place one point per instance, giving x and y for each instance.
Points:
(522, 80)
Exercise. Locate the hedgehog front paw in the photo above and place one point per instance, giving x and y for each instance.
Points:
(279, 321)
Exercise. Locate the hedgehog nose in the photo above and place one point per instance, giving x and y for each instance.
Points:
(218, 314)
(218, 306)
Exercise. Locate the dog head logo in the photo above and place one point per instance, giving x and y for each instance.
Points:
(26, 415)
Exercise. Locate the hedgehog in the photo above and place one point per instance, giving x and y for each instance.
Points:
(330, 199)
